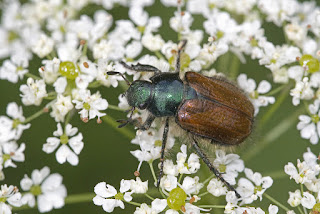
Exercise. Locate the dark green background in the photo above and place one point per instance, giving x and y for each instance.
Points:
(106, 154)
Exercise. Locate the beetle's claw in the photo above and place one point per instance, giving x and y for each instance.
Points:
(123, 123)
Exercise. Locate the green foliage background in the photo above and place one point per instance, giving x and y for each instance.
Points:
(106, 155)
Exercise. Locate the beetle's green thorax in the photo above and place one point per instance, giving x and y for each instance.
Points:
(138, 94)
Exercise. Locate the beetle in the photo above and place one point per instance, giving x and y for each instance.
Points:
(208, 107)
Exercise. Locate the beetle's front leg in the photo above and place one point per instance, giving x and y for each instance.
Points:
(164, 142)
(137, 123)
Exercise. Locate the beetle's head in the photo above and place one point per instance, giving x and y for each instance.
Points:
(139, 94)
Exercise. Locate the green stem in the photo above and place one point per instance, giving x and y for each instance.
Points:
(133, 203)
(180, 177)
(212, 206)
(276, 202)
(113, 107)
(277, 90)
(300, 210)
(79, 198)
(208, 179)
(148, 196)
(32, 76)
(301, 189)
(203, 194)
(223, 63)
(234, 67)
(68, 118)
(277, 174)
(159, 55)
(152, 171)
(34, 116)
(85, 48)
(273, 134)
(71, 199)
(268, 115)
(110, 121)
(94, 84)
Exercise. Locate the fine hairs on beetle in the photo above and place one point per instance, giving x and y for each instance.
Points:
(206, 107)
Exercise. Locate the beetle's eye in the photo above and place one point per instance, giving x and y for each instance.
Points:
(142, 106)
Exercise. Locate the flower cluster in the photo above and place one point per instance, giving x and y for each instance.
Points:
(306, 173)
(182, 190)
(81, 54)
(45, 187)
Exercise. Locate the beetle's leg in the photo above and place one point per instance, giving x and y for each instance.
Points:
(142, 126)
(182, 45)
(141, 68)
(164, 141)
(211, 167)
(146, 125)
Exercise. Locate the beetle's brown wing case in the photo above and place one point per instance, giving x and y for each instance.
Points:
(213, 120)
(221, 91)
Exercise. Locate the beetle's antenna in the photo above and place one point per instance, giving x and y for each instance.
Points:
(182, 44)
(116, 72)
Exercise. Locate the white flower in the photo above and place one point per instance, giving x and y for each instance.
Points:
(48, 189)
(273, 209)
(142, 20)
(216, 187)
(12, 196)
(90, 105)
(43, 45)
(150, 142)
(15, 68)
(152, 42)
(249, 86)
(304, 174)
(169, 168)
(295, 32)
(181, 22)
(33, 92)
(64, 153)
(61, 108)
(302, 90)
(294, 198)
(250, 192)
(107, 80)
(60, 85)
(309, 126)
(50, 71)
(12, 129)
(278, 11)
(137, 186)
(229, 165)
(157, 206)
(308, 200)
(191, 185)
(168, 182)
(110, 50)
(108, 197)
(12, 152)
(193, 161)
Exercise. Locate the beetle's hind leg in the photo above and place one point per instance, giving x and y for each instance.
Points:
(211, 167)
(164, 141)
(141, 68)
